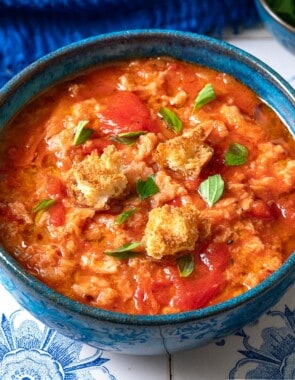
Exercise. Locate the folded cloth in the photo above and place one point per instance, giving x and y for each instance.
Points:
(31, 28)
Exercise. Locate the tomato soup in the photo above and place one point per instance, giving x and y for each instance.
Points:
(152, 186)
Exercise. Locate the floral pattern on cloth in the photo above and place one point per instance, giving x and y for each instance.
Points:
(31, 351)
(274, 357)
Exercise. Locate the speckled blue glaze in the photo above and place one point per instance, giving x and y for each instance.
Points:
(282, 31)
(145, 335)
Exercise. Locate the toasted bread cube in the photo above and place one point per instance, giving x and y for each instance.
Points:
(170, 230)
(96, 180)
(186, 154)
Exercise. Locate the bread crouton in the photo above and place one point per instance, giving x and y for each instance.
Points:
(170, 230)
(186, 154)
(96, 180)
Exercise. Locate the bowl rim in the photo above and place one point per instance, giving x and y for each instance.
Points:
(11, 265)
(274, 15)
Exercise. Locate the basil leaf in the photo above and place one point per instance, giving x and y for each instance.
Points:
(128, 138)
(211, 189)
(146, 188)
(44, 205)
(172, 121)
(82, 134)
(125, 215)
(186, 265)
(236, 154)
(206, 95)
(125, 251)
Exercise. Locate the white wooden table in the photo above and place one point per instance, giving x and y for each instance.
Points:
(232, 357)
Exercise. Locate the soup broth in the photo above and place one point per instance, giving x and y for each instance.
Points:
(152, 186)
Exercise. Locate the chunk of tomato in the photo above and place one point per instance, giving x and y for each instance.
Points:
(125, 112)
(57, 214)
(55, 187)
(145, 301)
(207, 280)
(262, 210)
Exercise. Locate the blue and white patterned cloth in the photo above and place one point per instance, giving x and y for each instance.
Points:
(31, 28)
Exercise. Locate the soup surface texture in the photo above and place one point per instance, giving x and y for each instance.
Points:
(151, 186)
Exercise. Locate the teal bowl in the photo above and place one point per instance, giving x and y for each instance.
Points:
(141, 334)
(280, 29)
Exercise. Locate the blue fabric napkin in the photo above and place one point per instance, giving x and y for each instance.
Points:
(32, 28)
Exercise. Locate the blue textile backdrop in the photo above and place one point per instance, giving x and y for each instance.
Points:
(32, 28)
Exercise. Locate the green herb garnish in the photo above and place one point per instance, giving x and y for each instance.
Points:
(206, 95)
(146, 188)
(82, 134)
(211, 189)
(128, 138)
(125, 215)
(186, 265)
(236, 154)
(44, 205)
(172, 121)
(125, 251)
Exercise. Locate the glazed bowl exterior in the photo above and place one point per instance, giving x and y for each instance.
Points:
(283, 32)
(145, 335)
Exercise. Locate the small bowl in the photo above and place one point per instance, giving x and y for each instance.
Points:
(281, 30)
(143, 334)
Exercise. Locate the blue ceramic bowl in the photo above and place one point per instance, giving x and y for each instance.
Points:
(145, 334)
(283, 32)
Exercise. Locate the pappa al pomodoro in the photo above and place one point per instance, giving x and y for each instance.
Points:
(151, 186)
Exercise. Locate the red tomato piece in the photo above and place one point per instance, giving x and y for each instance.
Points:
(145, 301)
(207, 280)
(57, 214)
(160, 290)
(197, 294)
(263, 210)
(215, 256)
(125, 112)
(55, 188)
